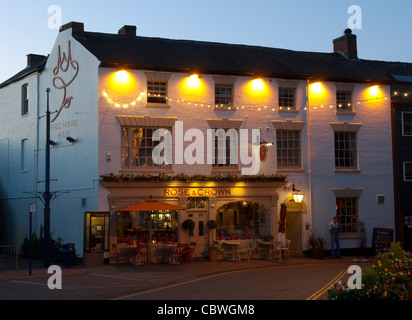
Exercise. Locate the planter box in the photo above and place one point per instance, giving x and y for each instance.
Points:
(212, 254)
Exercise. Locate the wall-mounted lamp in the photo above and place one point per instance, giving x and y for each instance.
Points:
(297, 195)
(267, 144)
(71, 140)
(52, 143)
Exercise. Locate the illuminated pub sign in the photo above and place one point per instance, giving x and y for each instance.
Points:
(197, 192)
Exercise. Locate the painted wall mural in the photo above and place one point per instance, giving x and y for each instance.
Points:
(64, 62)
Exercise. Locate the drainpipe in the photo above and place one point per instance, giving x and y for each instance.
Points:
(309, 206)
(36, 155)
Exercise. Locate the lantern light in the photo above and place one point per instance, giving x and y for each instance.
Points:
(297, 195)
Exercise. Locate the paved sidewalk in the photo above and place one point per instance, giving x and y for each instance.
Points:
(200, 267)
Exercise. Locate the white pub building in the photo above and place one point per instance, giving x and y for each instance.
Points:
(323, 120)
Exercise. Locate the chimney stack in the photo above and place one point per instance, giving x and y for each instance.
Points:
(128, 31)
(33, 57)
(77, 27)
(346, 44)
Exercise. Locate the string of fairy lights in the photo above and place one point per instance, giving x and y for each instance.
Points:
(254, 107)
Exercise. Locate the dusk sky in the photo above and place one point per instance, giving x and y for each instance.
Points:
(303, 25)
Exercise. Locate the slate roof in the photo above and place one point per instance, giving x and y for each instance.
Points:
(161, 54)
(231, 59)
(36, 66)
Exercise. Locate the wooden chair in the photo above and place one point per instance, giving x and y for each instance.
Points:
(221, 251)
(141, 253)
(116, 254)
(286, 247)
(180, 253)
(192, 248)
(243, 249)
(266, 249)
(277, 248)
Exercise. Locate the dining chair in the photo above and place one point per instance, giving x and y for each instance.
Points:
(119, 254)
(286, 247)
(179, 254)
(276, 248)
(242, 249)
(142, 253)
(192, 248)
(266, 248)
(221, 251)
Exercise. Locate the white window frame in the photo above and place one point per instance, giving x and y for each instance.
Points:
(288, 149)
(405, 178)
(344, 107)
(25, 99)
(130, 147)
(403, 124)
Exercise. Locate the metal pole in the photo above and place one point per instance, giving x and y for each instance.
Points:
(47, 190)
(30, 249)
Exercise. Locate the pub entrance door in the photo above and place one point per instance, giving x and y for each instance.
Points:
(198, 234)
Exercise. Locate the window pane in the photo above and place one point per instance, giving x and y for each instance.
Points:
(345, 150)
(288, 149)
(138, 151)
(346, 211)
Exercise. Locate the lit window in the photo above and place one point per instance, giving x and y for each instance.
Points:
(347, 213)
(224, 95)
(407, 171)
(407, 123)
(225, 153)
(345, 150)
(137, 148)
(344, 100)
(156, 92)
(25, 99)
(287, 98)
(288, 149)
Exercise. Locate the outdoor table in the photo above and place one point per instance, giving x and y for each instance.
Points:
(231, 245)
(139, 247)
(266, 245)
(168, 249)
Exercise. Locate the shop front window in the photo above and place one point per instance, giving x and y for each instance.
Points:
(134, 227)
(243, 220)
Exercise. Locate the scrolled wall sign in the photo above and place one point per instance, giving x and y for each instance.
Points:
(64, 62)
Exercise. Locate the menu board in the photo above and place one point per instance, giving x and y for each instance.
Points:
(381, 240)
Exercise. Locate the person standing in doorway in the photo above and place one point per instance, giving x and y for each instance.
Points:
(334, 229)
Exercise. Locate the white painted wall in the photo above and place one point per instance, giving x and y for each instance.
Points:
(91, 120)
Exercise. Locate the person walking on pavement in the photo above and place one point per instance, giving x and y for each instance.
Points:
(334, 229)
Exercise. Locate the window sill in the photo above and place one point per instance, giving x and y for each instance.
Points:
(224, 108)
(349, 236)
(147, 170)
(157, 105)
(345, 112)
(290, 170)
(347, 171)
(285, 110)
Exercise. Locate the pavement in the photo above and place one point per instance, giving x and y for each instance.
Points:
(145, 277)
